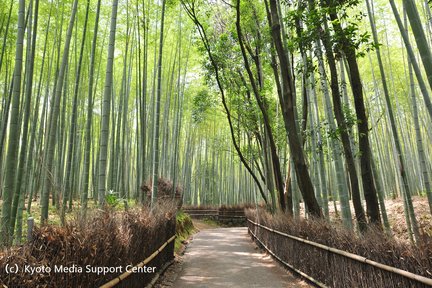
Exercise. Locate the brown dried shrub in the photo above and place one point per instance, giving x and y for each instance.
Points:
(104, 239)
(335, 270)
(165, 191)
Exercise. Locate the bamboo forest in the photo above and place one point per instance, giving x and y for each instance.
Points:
(130, 124)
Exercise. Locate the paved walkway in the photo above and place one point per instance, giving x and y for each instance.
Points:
(226, 257)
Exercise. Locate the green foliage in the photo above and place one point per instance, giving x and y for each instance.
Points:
(112, 199)
(307, 24)
(350, 116)
(350, 122)
(184, 229)
(203, 102)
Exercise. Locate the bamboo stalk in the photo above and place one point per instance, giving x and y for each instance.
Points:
(126, 274)
(406, 274)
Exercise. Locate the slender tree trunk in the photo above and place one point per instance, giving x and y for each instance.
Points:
(419, 139)
(73, 129)
(268, 129)
(413, 59)
(105, 122)
(33, 147)
(401, 163)
(287, 105)
(321, 161)
(88, 129)
(420, 37)
(144, 110)
(179, 114)
(51, 143)
(369, 188)
(190, 9)
(14, 133)
(27, 105)
(340, 118)
(6, 32)
(155, 160)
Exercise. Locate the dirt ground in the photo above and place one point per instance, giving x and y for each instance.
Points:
(396, 215)
(170, 275)
(395, 212)
(203, 225)
(226, 257)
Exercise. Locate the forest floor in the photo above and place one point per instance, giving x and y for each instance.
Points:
(396, 215)
(395, 212)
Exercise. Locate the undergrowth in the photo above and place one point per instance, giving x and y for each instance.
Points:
(184, 228)
(106, 238)
(210, 222)
(335, 270)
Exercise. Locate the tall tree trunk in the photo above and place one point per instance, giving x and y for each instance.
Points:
(420, 37)
(33, 147)
(23, 147)
(14, 133)
(179, 113)
(155, 158)
(287, 105)
(341, 121)
(336, 151)
(88, 129)
(419, 139)
(413, 59)
(143, 99)
(73, 129)
(274, 157)
(51, 143)
(321, 161)
(397, 143)
(6, 32)
(106, 106)
(369, 188)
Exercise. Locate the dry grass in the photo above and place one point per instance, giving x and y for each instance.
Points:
(104, 239)
(165, 191)
(337, 271)
(395, 212)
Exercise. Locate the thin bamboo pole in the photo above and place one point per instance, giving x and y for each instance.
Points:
(126, 274)
(313, 280)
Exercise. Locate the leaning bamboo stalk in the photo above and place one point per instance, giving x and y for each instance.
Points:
(406, 274)
(126, 274)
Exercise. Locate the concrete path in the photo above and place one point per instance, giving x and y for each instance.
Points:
(226, 257)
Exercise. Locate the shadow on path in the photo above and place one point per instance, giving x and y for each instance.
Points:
(226, 257)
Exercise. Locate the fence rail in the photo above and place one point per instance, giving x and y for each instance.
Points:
(361, 259)
(126, 274)
(225, 216)
(202, 213)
